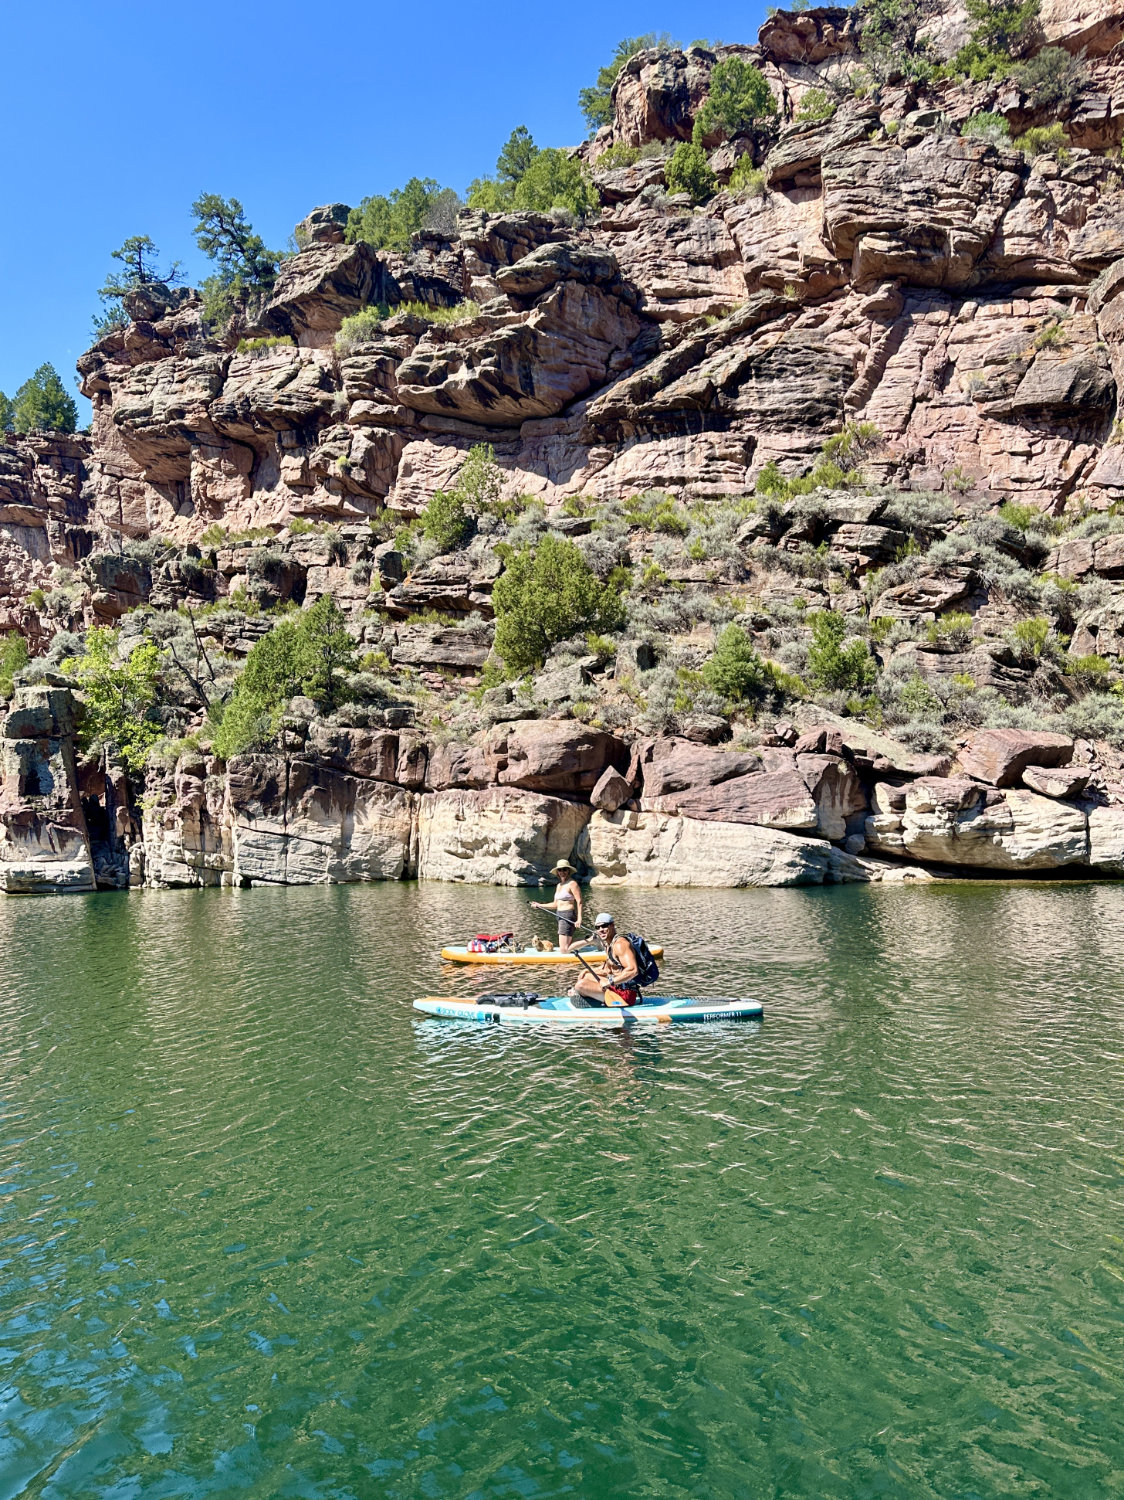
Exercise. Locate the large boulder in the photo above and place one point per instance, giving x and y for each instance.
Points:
(957, 822)
(498, 836)
(657, 849)
(1000, 756)
(554, 755)
(321, 286)
(500, 371)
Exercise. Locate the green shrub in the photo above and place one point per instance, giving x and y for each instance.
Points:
(495, 194)
(988, 127)
(739, 97)
(918, 699)
(310, 653)
(735, 670)
(446, 521)
(1090, 671)
(1002, 30)
(617, 156)
(544, 595)
(832, 665)
(656, 511)
(954, 628)
(13, 656)
(1042, 140)
(888, 39)
(120, 693)
(389, 221)
(596, 102)
(1052, 79)
(42, 404)
(689, 172)
(1030, 636)
(555, 180)
(747, 179)
(816, 106)
(259, 346)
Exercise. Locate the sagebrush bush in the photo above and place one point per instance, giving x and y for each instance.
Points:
(989, 127)
(816, 106)
(1052, 79)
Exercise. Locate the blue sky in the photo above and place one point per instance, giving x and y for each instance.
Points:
(117, 114)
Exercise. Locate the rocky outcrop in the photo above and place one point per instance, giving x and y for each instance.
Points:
(495, 837)
(44, 842)
(958, 823)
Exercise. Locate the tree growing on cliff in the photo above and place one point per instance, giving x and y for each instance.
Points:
(43, 404)
(119, 688)
(596, 102)
(690, 172)
(13, 656)
(739, 99)
(534, 180)
(831, 665)
(308, 654)
(7, 414)
(889, 37)
(1002, 30)
(547, 594)
(389, 221)
(244, 266)
(735, 670)
(141, 261)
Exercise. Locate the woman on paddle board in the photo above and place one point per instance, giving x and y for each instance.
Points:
(567, 903)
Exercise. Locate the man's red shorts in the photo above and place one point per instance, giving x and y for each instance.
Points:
(629, 994)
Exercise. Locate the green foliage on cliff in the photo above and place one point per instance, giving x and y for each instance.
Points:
(888, 40)
(1002, 30)
(689, 172)
(534, 180)
(308, 654)
(596, 102)
(7, 414)
(736, 671)
(244, 266)
(831, 665)
(816, 106)
(13, 656)
(1052, 79)
(390, 220)
(447, 522)
(546, 594)
(119, 687)
(43, 403)
(140, 259)
(739, 98)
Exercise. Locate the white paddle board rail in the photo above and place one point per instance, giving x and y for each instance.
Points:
(558, 1010)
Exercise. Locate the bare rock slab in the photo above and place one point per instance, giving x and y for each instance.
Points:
(1000, 756)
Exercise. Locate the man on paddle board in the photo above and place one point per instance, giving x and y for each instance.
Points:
(616, 980)
(567, 903)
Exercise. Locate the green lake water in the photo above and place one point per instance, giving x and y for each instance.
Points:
(263, 1232)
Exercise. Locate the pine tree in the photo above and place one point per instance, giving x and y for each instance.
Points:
(42, 404)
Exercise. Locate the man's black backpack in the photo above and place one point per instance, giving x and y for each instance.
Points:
(648, 971)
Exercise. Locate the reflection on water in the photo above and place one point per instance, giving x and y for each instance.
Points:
(265, 1232)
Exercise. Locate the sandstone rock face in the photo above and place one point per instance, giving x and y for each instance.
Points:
(1000, 756)
(1061, 785)
(501, 836)
(44, 843)
(956, 822)
(294, 823)
(1091, 26)
(555, 756)
(656, 849)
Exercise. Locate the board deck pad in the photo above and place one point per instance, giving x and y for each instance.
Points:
(559, 1010)
(458, 954)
